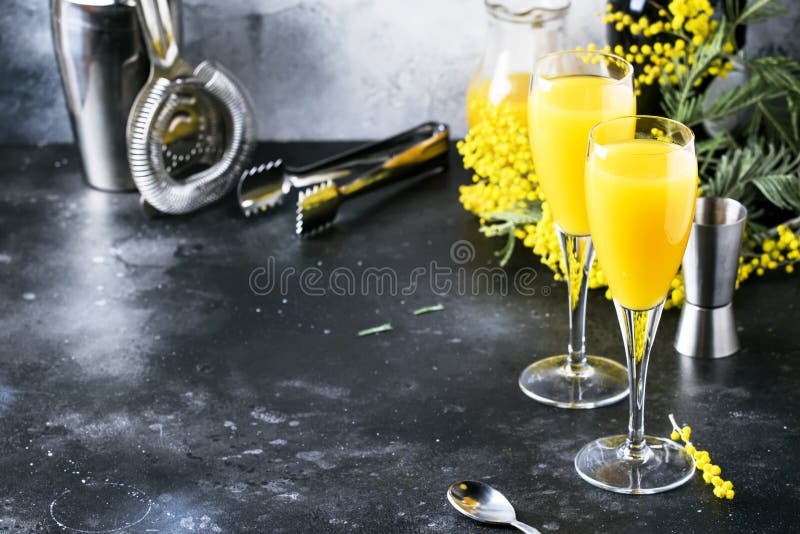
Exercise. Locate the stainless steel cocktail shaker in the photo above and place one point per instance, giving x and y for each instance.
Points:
(103, 63)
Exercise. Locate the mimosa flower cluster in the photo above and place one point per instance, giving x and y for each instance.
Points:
(711, 472)
(498, 150)
(781, 251)
(686, 24)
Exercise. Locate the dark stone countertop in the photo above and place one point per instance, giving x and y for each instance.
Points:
(135, 352)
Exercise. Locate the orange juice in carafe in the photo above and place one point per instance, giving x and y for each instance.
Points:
(511, 90)
(518, 34)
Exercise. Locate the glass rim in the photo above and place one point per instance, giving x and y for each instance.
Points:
(497, 9)
(658, 118)
(616, 81)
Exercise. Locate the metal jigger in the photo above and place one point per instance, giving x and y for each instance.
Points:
(710, 265)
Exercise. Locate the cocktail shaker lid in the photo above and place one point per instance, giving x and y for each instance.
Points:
(98, 3)
(90, 13)
(105, 15)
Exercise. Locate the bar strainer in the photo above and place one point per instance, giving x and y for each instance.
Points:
(191, 129)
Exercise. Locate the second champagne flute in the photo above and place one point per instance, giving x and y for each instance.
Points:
(641, 184)
(570, 93)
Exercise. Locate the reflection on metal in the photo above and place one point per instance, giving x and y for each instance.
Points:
(264, 186)
(191, 129)
(317, 205)
(707, 328)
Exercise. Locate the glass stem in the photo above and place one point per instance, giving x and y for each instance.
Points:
(638, 332)
(578, 257)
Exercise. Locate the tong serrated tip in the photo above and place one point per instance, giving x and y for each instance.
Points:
(316, 208)
(261, 187)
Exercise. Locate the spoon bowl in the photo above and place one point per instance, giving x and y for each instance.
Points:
(481, 502)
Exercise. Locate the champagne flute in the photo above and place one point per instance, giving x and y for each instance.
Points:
(641, 184)
(571, 92)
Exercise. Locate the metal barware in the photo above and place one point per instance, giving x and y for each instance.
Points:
(264, 186)
(707, 328)
(103, 64)
(481, 502)
(191, 128)
(317, 206)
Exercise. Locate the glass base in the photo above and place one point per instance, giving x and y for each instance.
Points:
(607, 464)
(552, 381)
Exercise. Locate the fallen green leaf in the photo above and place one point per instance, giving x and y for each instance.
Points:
(375, 330)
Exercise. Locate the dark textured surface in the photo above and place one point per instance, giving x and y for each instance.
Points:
(134, 351)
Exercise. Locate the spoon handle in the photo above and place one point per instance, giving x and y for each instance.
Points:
(527, 529)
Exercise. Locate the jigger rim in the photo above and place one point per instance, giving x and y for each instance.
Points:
(729, 205)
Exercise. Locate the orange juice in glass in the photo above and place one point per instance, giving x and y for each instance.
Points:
(563, 110)
(641, 184)
(571, 92)
(641, 199)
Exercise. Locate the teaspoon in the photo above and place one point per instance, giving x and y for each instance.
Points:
(483, 503)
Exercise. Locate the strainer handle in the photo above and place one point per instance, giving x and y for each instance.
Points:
(159, 34)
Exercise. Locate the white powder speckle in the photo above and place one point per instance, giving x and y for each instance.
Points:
(278, 442)
(315, 457)
(29, 296)
(253, 452)
(290, 497)
(262, 414)
(205, 523)
(330, 392)
(230, 424)
(238, 487)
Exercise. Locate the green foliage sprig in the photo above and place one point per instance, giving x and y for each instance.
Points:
(755, 158)
(506, 223)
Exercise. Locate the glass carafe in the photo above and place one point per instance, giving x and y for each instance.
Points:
(520, 31)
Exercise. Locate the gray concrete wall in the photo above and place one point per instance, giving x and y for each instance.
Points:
(317, 69)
